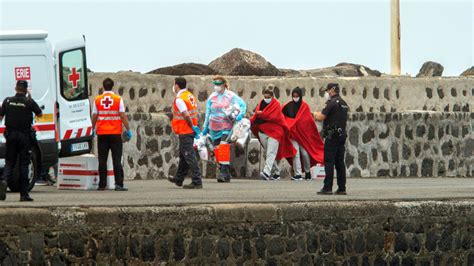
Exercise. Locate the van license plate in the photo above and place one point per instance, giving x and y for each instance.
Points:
(80, 146)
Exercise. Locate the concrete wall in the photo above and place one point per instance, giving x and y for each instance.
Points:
(324, 233)
(393, 140)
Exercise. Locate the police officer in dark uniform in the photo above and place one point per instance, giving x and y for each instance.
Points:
(19, 136)
(334, 117)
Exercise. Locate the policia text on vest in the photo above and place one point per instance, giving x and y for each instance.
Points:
(108, 117)
(19, 135)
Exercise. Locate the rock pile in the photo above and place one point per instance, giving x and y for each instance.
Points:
(431, 69)
(185, 69)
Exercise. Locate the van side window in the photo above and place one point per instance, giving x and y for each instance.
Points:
(73, 75)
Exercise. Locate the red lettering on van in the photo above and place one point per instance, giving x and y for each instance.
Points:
(22, 73)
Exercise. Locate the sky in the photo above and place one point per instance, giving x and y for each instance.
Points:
(145, 35)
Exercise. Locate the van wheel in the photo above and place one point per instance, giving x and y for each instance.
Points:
(14, 182)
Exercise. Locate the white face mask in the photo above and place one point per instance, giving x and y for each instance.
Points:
(218, 89)
(267, 100)
(173, 89)
(326, 96)
(296, 99)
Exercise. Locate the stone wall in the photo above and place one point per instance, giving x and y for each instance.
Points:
(152, 93)
(414, 144)
(324, 233)
(410, 144)
(394, 140)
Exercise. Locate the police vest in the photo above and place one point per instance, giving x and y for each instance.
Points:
(179, 124)
(109, 121)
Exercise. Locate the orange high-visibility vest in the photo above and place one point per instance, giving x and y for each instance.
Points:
(179, 124)
(109, 121)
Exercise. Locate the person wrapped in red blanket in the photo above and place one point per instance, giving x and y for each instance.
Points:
(304, 136)
(269, 125)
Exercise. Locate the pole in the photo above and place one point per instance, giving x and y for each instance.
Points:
(395, 36)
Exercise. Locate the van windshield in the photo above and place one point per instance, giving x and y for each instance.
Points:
(73, 75)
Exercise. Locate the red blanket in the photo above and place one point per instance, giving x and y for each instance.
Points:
(275, 127)
(303, 129)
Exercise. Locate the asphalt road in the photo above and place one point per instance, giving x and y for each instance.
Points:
(162, 192)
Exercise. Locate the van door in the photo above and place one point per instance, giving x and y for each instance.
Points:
(72, 106)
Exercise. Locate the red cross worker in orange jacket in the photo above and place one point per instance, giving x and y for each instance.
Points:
(185, 125)
(108, 117)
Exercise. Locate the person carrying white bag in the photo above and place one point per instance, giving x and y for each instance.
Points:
(223, 109)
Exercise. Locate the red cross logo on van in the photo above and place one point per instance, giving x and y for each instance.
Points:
(74, 77)
(106, 102)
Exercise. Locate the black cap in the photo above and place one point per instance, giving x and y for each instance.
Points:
(332, 85)
(22, 84)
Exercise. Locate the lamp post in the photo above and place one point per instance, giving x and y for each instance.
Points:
(395, 36)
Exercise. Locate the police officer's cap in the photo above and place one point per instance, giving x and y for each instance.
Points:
(22, 84)
(332, 85)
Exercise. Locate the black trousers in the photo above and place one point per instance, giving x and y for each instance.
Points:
(334, 150)
(106, 143)
(18, 148)
(188, 160)
(223, 168)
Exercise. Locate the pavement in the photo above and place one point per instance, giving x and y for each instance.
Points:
(164, 193)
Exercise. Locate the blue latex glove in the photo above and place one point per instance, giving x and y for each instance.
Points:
(129, 134)
(93, 132)
(239, 117)
(205, 131)
(197, 131)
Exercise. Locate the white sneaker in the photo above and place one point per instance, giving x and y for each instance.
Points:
(264, 176)
(297, 178)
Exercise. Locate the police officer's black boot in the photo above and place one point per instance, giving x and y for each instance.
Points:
(25, 197)
(3, 190)
(340, 192)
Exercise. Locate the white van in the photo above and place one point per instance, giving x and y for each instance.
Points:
(57, 79)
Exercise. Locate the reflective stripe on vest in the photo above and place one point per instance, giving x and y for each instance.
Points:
(108, 112)
(180, 116)
(109, 121)
(179, 124)
(109, 118)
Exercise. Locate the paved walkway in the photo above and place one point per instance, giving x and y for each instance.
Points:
(161, 192)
